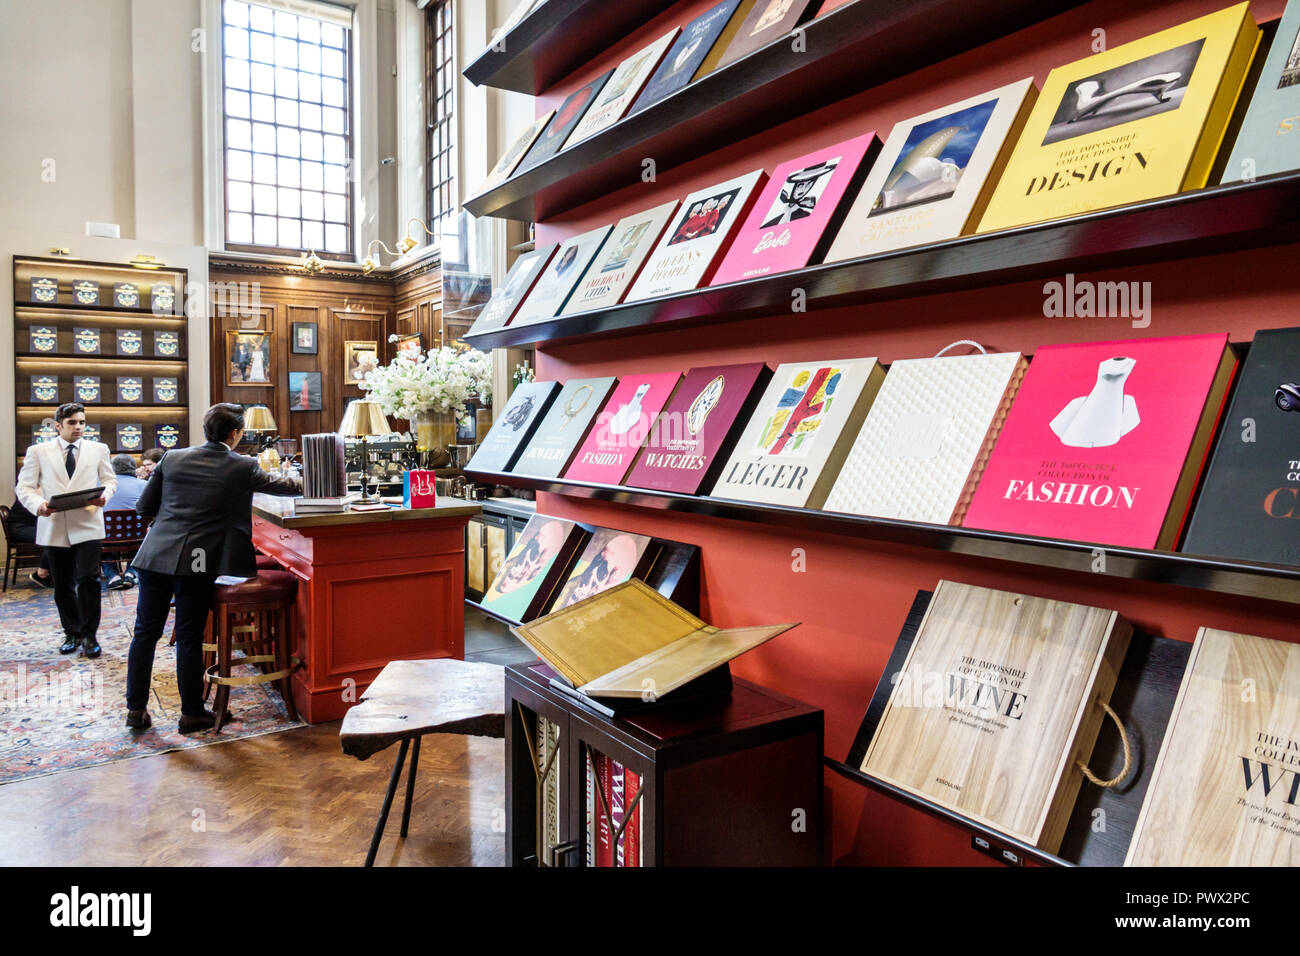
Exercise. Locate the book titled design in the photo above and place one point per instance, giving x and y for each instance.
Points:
(533, 569)
(167, 344)
(800, 433)
(1269, 139)
(1224, 788)
(996, 702)
(166, 390)
(510, 158)
(621, 428)
(45, 289)
(562, 430)
(923, 447)
(798, 212)
(130, 437)
(85, 388)
(1105, 441)
(85, 292)
(767, 20)
(561, 276)
(691, 249)
(687, 54)
(130, 390)
(620, 259)
(623, 88)
(45, 388)
(85, 341)
(166, 436)
(562, 123)
(698, 429)
(1139, 121)
(519, 282)
(513, 427)
(935, 173)
(43, 338)
(130, 342)
(610, 557)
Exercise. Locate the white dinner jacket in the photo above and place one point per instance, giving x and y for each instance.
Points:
(45, 475)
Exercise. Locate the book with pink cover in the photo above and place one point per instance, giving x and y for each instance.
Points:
(798, 213)
(1106, 440)
(621, 428)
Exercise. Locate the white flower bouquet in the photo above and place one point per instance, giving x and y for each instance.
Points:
(441, 380)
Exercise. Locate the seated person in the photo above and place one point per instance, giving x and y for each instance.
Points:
(22, 525)
(148, 462)
(124, 499)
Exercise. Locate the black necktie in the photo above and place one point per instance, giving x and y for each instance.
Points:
(71, 461)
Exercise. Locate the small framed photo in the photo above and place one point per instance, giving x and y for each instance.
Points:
(304, 391)
(412, 344)
(304, 338)
(248, 358)
(358, 358)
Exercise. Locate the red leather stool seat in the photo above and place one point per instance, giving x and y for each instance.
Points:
(267, 563)
(267, 589)
(259, 611)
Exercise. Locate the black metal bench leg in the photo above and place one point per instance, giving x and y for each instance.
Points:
(410, 784)
(388, 803)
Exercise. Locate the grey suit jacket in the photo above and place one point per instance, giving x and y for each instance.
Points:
(201, 501)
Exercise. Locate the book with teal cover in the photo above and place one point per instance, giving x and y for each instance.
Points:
(1269, 141)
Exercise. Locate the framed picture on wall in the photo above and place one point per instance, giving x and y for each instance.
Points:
(359, 358)
(248, 358)
(304, 338)
(413, 343)
(304, 392)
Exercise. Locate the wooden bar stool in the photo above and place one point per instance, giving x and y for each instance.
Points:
(259, 609)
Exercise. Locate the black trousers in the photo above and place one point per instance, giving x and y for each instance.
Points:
(193, 602)
(76, 587)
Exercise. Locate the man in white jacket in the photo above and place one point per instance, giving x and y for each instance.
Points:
(73, 539)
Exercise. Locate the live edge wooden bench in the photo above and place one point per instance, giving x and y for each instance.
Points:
(412, 698)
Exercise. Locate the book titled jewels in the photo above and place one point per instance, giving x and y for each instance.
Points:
(800, 433)
(90, 432)
(767, 21)
(562, 430)
(162, 298)
(167, 343)
(1223, 791)
(44, 432)
(1105, 441)
(43, 338)
(85, 292)
(562, 123)
(44, 289)
(126, 295)
(935, 173)
(561, 276)
(996, 702)
(1139, 121)
(691, 248)
(1269, 140)
(533, 569)
(799, 211)
(130, 390)
(166, 390)
(619, 260)
(45, 388)
(130, 342)
(85, 341)
(923, 447)
(610, 558)
(85, 388)
(513, 427)
(130, 438)
(519, 281)
(621, 428)
(623, 88)
(166, 436)
(686, 54)
(698, 428)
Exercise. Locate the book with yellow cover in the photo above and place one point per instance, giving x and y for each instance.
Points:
(1137, 122)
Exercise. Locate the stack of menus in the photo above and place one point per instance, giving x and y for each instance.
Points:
(323, 471)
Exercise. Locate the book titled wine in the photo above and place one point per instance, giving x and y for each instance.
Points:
(623, 88)
(1142, 120)
(562, 123)
(611, 446)
(800, 433)
(561, 276)
(620, 259)
(513, 427)
(534, 567)
(555, 442)
(684, 58)
(1106, 440)
(698, 429)
(798, 212)
(1269, 139)
(519, 281)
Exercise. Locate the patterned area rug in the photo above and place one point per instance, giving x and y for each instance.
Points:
(62, 713)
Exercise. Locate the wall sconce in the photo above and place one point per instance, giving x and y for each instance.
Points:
(311, 264)
(409, 242)
(370, 263)
(143, 261)
(62, 252)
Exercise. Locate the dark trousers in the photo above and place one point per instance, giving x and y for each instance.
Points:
(193, 602)
(76, 587)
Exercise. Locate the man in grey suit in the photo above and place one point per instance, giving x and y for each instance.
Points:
(201, 501)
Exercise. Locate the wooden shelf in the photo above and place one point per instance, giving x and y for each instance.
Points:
(1217, 219)
(96, 357)
(557, 38)
(107, 407)
(57, 307)
(849, 49)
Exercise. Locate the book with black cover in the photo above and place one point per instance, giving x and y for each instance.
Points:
(562, 123)
(75, 499)
(680, 65)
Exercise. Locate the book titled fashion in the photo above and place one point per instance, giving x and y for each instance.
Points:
(1269, 139)
(43, 338)
(166, 389)
(923, 447)
(561, 276)
(698, 429)
(766, 22)
(562, 430)
(130, 342)
(85, 388)
(510, 159)
(935, 173)
(130, 437)
(620, 259)
(519, 281)
(562, 123)
(610, 557)
(166, 344)
(45, 388)
(791, 450)
(1105, 441)
(798, 212)
(130, 390)
(85, 341)
(513, 427)
(622, 89)
(687, 53)
(621, 428)
(533, 569)
(691, 248)
(166, 436)
(1142, 120)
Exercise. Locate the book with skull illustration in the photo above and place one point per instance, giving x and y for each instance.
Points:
(610, 558)
(555, 441)
(766, 22)
(1105, 441)
(798, 212)
(513, 427)
(507, 298)
(620, 259)
(683, 60)
(533, 569)
(1142, 120)
(800, 433)
(698, 428)
(1269, 139)
(621, 428)
(622, 89)
(935, 173)
(561, 276)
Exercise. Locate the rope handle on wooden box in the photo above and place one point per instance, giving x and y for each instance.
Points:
(1128, 754)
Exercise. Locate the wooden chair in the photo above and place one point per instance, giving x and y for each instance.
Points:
(15, 551)
(124, 531)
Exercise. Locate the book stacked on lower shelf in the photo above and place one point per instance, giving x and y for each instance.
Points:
(613, 813)
(333, 505)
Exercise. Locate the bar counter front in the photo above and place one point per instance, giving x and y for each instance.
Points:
(373, 587)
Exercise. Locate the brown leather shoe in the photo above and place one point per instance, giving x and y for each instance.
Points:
(138, 719)
(192, 725)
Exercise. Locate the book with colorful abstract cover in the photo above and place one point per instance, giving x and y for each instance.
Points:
(621, 428)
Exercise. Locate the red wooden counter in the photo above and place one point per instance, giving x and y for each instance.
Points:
(372, 588)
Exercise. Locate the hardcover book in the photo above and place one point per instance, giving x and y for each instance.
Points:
(45, 289)
(610, 557)
(935, 174)
(699, 427)
(561, 276)
(620, 259)
(620, 429)
(126, 295)
(1139, 121)
(691, 248)
(513, 427)
(680, 64)
(533, 569)
(43, 338)
(1099, 446)
(1269, 139)
(166, 390)
(130, 342)
(927, 437)
(800, 433)
(798, 213)
(162, 298)
(130, 438)
(510, 158)
(85, 292)
(767, 20)
(519, 282)
(563, 122)
(130, 390)
(85, 388)
(1223, 790)
(86, 341)
(45, 388)
(167, 344)
(555, 442)
(623, 88)
(997, 701)
(166, 436)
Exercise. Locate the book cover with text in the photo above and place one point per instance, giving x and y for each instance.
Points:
(622, 427)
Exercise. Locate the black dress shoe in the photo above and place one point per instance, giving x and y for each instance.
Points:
(90, 647)
(69, 645)
(138, 719)
(192, 725)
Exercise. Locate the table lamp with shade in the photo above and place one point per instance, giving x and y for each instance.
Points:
(361, 419)
(259, 424)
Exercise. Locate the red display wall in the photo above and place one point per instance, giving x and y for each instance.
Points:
(852, 597)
